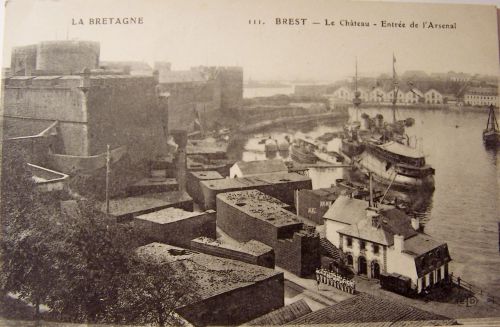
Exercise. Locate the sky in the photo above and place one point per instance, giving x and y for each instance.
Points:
(201, 32)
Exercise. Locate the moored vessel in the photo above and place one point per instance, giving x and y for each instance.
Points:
(388, 157)
(303, 150)
(491, 134)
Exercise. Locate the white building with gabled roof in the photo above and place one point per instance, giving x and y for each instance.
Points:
(385, 240)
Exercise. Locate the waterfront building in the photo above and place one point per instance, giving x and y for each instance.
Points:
(411, 96)
(433, 96)
(258, 167)
(481, 96)
(227, 292)
(343, 93)
(385, 240)
(378, 95)
(253, 215)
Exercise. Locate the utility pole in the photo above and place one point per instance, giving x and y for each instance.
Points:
(108, 170)
(371, 189)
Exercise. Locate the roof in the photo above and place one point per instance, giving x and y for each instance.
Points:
(213, 275)
(133, 65)
(45, 175)
(401, 150)
(261, 206)
(257, 180)
(168, 215)
(138, 204)
(252, 247)
(13, 128)
(391, 222)
(368, 309)
(347, 210)
(261, 166)
(421, 244)
(282, 315)
(206, 174)
(181, 76)
(330, 193)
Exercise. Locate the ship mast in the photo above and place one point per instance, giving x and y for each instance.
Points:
(356, 101)
(492, 123)
(396, 89)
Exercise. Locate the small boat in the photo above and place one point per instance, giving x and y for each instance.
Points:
(271, 145)
(491, 134)
(283, 146)
(303, 150)
(328, 156)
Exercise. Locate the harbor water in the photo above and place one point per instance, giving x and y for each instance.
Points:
(464, 208)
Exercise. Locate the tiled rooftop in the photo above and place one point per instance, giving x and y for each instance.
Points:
(368, 310)
(282, 315)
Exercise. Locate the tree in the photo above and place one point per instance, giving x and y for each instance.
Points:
(152, 291)
(26, 232)
(90, 262)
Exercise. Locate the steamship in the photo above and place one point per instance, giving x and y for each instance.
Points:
(388, 159)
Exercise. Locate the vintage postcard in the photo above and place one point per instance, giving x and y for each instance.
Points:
(214, 163)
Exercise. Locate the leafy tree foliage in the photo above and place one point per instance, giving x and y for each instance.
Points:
(78, 261)
(26, 232)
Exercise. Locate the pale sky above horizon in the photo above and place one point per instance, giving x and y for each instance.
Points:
(201, 32)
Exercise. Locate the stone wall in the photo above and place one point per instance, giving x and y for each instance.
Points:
(67, 57)
(231, 85)
(125, 112)
(23, 60)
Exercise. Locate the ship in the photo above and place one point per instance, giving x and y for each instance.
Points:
(332, 157)
(384, 152)
(491, 134)
(303, 149)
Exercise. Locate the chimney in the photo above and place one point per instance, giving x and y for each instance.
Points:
(156, 76)
(415, 223)
(373, 215)
(399, 243)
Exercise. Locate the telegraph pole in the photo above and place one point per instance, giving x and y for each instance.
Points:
(108, 170)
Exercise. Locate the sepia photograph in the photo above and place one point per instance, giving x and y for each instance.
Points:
(249, 163)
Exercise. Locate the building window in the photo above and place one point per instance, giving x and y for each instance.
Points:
(424, 281)
(438, 275)
(349, 242)
(362, 245)
(376, 249)
(349, 260)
